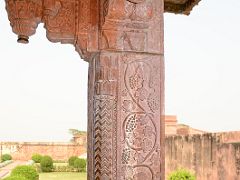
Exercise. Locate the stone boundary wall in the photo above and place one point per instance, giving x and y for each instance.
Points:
(58, 151)
(210, 156)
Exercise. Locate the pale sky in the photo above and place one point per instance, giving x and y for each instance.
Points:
(43, 86)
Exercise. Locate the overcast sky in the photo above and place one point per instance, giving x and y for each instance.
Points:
(43, 86)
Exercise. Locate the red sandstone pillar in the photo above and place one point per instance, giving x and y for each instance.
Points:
(123, 42)
(126, 86)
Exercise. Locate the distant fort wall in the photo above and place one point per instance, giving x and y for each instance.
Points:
(211, 156)
(58, 151)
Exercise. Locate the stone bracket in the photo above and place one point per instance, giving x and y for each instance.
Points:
(66, 21)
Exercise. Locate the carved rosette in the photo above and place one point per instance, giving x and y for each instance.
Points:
(24, 15)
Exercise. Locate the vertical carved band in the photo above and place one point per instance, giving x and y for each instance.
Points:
(141, 112)
(104, 131)
(105, 117)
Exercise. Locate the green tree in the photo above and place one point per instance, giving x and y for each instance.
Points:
(46, 164)
(37, 158)
(6, 157)
(71, 160)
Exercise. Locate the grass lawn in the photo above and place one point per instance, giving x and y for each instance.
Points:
(63, 176)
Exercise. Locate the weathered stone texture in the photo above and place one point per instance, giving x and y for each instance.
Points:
(123, 42)
(210, 156)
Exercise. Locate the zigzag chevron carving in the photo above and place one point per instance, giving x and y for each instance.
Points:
(105, 107)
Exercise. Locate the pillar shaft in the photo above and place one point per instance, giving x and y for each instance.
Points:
(126, 87)
(126, 139)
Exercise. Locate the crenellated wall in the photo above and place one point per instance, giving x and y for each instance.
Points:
(210, 156)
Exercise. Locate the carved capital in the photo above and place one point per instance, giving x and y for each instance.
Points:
(132, 25)
(24, 15)
(95, 25)
(115, 25)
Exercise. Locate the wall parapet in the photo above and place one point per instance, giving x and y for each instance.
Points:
(209, 155)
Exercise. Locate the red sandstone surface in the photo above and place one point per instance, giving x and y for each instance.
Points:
(123, 41)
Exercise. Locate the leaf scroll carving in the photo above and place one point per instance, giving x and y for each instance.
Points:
(140, 128)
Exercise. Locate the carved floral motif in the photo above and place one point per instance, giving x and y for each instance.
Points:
(140, 127)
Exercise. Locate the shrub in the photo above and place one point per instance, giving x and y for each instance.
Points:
(64, 169)
(46, 164)
(29, 172)
(80, 164)
(71, 160)
(36, 158)
(6, 157)
(15, 178)
(182, 174)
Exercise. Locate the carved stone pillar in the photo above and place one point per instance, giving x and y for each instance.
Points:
(127, 129)
(127, 93)
(123, 42)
